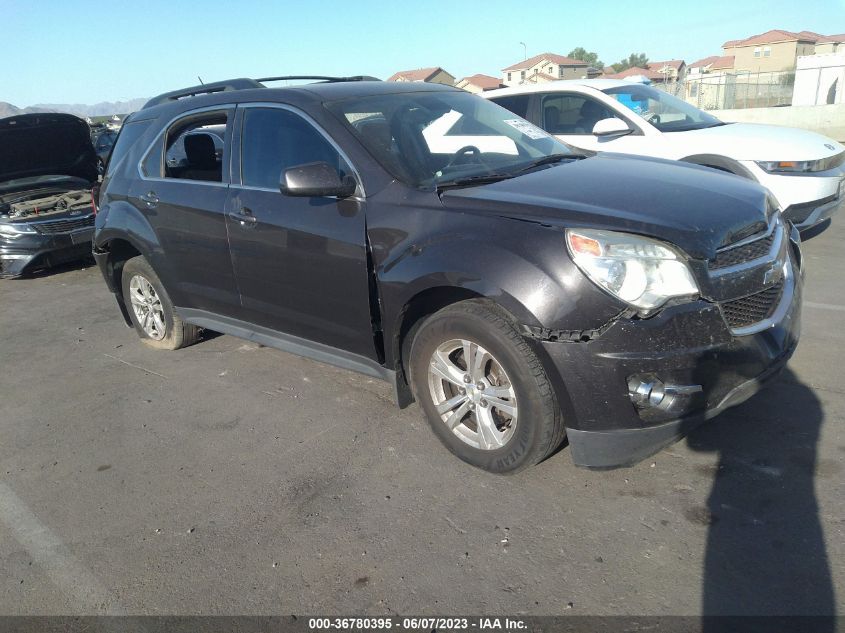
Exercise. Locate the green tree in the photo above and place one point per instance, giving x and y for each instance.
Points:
(586, 56)
(635, 60)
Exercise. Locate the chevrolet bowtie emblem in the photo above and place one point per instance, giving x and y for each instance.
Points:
(773, 275)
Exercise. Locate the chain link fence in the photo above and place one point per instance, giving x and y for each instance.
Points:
(723, 91)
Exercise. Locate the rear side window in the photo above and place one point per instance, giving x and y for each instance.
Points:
(571, 114)
(194, 149)
(274, 140)
(518, 104)
(128, 136)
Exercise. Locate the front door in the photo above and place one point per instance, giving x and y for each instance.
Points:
(300, 263)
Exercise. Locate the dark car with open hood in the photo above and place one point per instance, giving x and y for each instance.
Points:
(521, 292)
(47, 169)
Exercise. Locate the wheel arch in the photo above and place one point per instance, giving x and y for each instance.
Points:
(722, 163)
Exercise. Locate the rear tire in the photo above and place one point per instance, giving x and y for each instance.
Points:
(151, 310)
(497, 412)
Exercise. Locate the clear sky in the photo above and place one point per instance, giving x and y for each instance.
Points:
(81, 51)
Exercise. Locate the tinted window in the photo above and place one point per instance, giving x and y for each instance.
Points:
(127, 137)
(571, 114)
(274, 140)
(518, 104)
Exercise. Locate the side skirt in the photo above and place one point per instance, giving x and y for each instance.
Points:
(295, 345)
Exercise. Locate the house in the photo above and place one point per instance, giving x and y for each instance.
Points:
(435, 75)
(478, 83)
(830, 44)
(772, 51)
(670, 70)
(545, 67)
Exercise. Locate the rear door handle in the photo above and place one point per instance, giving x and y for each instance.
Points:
(244, 217)
(150, 199)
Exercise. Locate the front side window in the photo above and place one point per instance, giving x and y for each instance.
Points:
(662, 110)
(430, 139)
(572, 114)
(275, 139)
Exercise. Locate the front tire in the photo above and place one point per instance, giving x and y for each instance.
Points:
(484, 391)
(151, 310)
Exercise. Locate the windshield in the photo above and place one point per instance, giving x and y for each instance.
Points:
(662, 110)
(437, 138)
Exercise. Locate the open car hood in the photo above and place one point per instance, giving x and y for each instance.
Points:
(46, 145)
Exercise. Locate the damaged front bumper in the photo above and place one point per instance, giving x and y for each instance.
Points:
(642, 384)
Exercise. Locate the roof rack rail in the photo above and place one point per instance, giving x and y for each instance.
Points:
(242, 84)
(320, 78)
(193, 91)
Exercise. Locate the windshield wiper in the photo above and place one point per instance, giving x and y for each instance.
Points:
(481, 179)
(548, 160)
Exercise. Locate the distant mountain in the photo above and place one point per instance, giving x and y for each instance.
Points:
(7, 109)
(105, 108)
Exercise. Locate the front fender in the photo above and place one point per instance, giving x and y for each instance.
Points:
(521, 266)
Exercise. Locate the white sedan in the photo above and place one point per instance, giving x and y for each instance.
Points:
(805, 171)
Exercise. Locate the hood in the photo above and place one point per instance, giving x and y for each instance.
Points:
(696, 208)
(753, 141)
(51, 144)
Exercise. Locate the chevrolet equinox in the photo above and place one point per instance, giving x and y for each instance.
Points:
(521, 292)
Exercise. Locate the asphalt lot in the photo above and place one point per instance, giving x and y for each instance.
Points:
(227, 478)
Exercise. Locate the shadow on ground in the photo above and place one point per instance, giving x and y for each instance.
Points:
(765, 552)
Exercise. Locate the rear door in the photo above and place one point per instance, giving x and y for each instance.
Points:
(186, 209)
(300, 263)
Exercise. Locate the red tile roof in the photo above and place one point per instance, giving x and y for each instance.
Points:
(701, 63)
(831, 38)
(722, 63)
(630, 72)
(672, 63)
(420, 74)
(551, 57)
(775, 35)
(715, 62)
(485, 82)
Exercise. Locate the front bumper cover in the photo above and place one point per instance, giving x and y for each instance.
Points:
(684, 345)
(35, 249)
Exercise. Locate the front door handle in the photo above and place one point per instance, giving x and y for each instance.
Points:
(244, 217)
(150, 199)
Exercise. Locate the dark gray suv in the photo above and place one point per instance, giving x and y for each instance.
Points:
(520, 292)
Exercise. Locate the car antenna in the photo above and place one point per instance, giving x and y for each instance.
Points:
(202, 83)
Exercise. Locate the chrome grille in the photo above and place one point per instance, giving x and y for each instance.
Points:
(745, 253)
(752, 309)
(65, 225)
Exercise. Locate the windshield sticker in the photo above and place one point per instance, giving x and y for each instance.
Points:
(531, 131)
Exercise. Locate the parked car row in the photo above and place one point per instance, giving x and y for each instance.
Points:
(522, 291)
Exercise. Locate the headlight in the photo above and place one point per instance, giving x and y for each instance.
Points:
(793, 166)
(642, 272)
(13, 230)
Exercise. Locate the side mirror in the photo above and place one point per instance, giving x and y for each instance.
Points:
(611, 127)
(314, 180)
